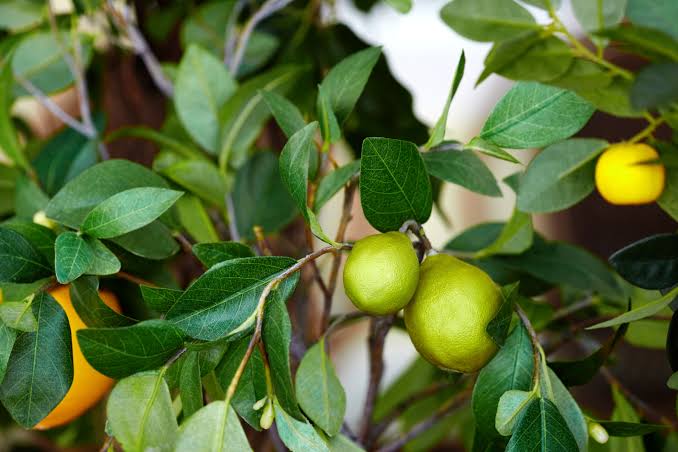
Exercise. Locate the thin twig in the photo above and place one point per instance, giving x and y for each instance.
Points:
(378, 329)
(107, 443)
(231, 34)
(232, 226)
(267, 9)
(135, 279)
(344, 320)
(535, 341)
(445, 410)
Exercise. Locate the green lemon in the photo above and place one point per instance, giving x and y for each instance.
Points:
(449, 312)
(381, 273)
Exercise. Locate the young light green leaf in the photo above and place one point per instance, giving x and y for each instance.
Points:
(394, 185)
(511, 405)
(534, 115)
(202, 86)
(319, 391)
(8, 138)
(344, 83)
(140, 415)
(332, 182)
(200, 177)
(73, 256)
(487, 20)
(438, 132)
(119, 352)
(19, 15)
(210, 254)
(461, 167)
(214, 427)
(329, 126)
(673, 381)
(402, 6)
(194, 218)
(19, 260)
(86, 301)
(128, 211)
(40, 369)
(104, 261)
(286, 114)
(222, 301)
(298, 436)
(541, 427)
(515, 237)
(560, 176)
(18, 315)
(480, 145)
(190, 386)
(640, 312)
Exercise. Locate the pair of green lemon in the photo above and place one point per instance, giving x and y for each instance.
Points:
(448, 303)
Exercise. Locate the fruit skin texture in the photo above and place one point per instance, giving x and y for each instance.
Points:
(621, 181)
(450, 310)
(381, 273)
(88, 386)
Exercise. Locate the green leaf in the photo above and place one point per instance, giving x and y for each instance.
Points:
(20, 14)
(128, 211)
(28, 198)
(487, 20)
(498, 327)
(402, 6)
(534, 115)
(506, 52)
(7, 340)
(8, 138)
(73, 256)
(19, 260)
(40, 237)
(461, 167)
(40, 369)
(541, 427)
(438, 132)
(161, 139)
(344, 83)
(153, 241)
(222, 301)
(515, 237)
(332, 182)
(78, 197)
(160, 299)
(18, 315)
(560, 176)
(210, 254)
(340, 443)
(206, 26)
(511, 405)
(200, 177)
(624, 412)
(202, 86)
(640, 312)
(655, 86)
(104, 261)
(20, 292)
(140, 415)
(475, 238)
(597, 15)
(277, 335)
(214, 428)
(329, 126)
(243, 115)
(190, 386)
(394, 186)
(298, 436)
(119, 352)
(480, 145)
(650, 263)
(544, 4)
(260, 198)
(626, 429)
(655, 14)
(511, 368)
(319, 391)
(194, 218)
(546, 59)
(644, 40)
(94, 313)
(286, 114)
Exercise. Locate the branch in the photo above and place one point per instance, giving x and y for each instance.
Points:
(135, 279)
(378, 329)
(416, 229)
(535, 341)
(259, 312)
(269, 8)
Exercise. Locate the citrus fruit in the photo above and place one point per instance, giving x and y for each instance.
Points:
(622, 177)
(88, 386)
(381, 273)
(449, 312)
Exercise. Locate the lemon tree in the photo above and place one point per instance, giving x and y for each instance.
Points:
(172, 284)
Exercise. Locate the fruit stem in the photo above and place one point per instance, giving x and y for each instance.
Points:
(647, 131)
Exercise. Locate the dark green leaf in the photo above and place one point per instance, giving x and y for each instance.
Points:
(625, 429)
(394, 186)
(650, 263)
(344, 83)
(612, 98)
(542, 427)
(7, 339)
(212, 428)
(487, 20)
(641, 312)
(119, 352)
(202, 86)
(332, 182)
(546, 59)
(657, 14)
(153, 241)
(624, 412)
(554, 390)
(190, 386)
(19, 260)
(211, 254)
(438, 133)
(511, 368)
(18, 15)
(298, 436)
(40, 369)
(161, 139)
(498, 327)
(535, 115)
(223, 300)
(506, 52)
(94, 313)
(160, 299)
(461, 167)
(260, 198)
(104, 261)
(655, 86)
(73, 256)
(475, 238)
(515, 238)
(560, 176)
(140, 414)
(644, 40)
(29, 199)
(39, 236)
(286, 114)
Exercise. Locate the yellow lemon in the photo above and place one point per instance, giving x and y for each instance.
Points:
(381, 273)
(449, 312)
(622, 179)
(88, 386)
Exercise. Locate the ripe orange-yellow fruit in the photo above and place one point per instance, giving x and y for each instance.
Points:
(88, 386)
(624, 177)
(449, 313)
